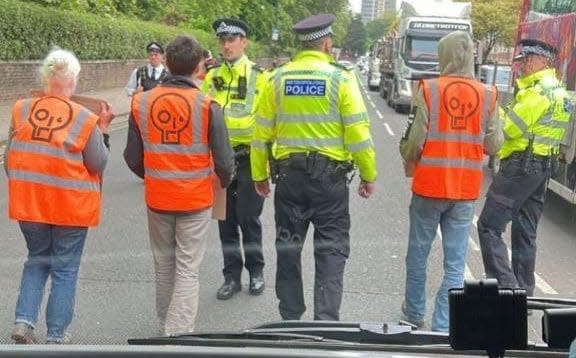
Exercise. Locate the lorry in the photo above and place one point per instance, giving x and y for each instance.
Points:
(409, 52)
(554, 22)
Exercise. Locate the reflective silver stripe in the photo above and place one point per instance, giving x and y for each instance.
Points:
(455, 137)
(358, 117)
(236, 132)
(257, 143)
(518, 122)
(451, 163)
(434, 105)
(170, 174)
(333, 94)
(546, 141)
(486, 110)
(77, 126)
(25, 109)
(356, 147)
(53, 181)
(29, 147)
(278, 87)
(144, 115)
(197, 119)
(176, 149)
(264, 122)
(249, 98)
(285, 117)
(557, 124)
(311, 142)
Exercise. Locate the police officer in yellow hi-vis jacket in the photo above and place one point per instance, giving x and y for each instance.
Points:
(312, 111)
(236, 85)
(534, 125)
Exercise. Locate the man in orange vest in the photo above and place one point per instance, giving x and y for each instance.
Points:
(453, 123)
(56, 153)
(175, 136)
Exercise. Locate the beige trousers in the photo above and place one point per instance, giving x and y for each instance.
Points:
(178, 243)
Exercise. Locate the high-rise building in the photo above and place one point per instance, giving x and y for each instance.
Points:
(372, 9)
(389, 6)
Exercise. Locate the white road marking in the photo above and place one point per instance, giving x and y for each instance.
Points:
(388, 129)
(379, 114)
(541, 284)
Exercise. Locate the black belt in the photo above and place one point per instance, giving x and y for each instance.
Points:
(521, 155)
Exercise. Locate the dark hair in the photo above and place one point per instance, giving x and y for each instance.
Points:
(313, 44)
(183, 55)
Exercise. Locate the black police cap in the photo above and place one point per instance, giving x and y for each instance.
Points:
(314, 27)
(229, 26)
(535, 47)
(154, 47)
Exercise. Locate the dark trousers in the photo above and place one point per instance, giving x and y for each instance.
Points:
(243, 209)
(516, 194)
(301, 199)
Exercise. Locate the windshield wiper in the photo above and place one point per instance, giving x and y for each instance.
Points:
(313, 332)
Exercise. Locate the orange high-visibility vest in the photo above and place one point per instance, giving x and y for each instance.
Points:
(47, 179)
(173, 124)
(451, 163)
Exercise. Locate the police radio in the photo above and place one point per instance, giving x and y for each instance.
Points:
(242, 87)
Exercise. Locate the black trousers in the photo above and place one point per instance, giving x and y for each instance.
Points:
(243, 210)
(517, 194)
(301, 199)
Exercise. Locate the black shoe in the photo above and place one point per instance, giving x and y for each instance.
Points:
(257, 284)
(228, 289)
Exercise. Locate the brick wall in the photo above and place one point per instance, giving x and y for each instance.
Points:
(19, 77)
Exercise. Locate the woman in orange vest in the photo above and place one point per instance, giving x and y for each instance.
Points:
(56, 153)
(453, 123)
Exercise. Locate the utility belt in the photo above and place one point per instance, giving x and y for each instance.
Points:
(315, 164)
(527, 156)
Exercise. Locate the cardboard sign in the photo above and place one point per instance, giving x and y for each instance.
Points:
(219, 208)
(94, 105)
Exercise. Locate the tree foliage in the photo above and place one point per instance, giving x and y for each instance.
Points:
(495, 22)
(376, 29)
(262, 15)
(356, 40)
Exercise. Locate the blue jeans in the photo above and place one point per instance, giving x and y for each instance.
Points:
(55, 251)
(454, 218)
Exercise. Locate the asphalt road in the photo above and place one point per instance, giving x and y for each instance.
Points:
(115, 298)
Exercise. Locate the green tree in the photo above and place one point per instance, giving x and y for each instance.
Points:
(376, 29)
(357, 38)
(495, 22)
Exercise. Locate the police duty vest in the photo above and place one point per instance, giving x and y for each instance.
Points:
(173, 124)
(143, 78)
(47, 179)
(450, 166)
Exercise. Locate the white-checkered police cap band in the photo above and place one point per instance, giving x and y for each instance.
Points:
(224, 28)
(537, 50)
(311, 36)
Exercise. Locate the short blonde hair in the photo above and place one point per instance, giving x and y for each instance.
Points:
(61, 65)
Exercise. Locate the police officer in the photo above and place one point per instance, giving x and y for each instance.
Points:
(313, 112)
(534, 126)
(147, 77)
(235, 84)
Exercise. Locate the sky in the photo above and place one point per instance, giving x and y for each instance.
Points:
(356, 5)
